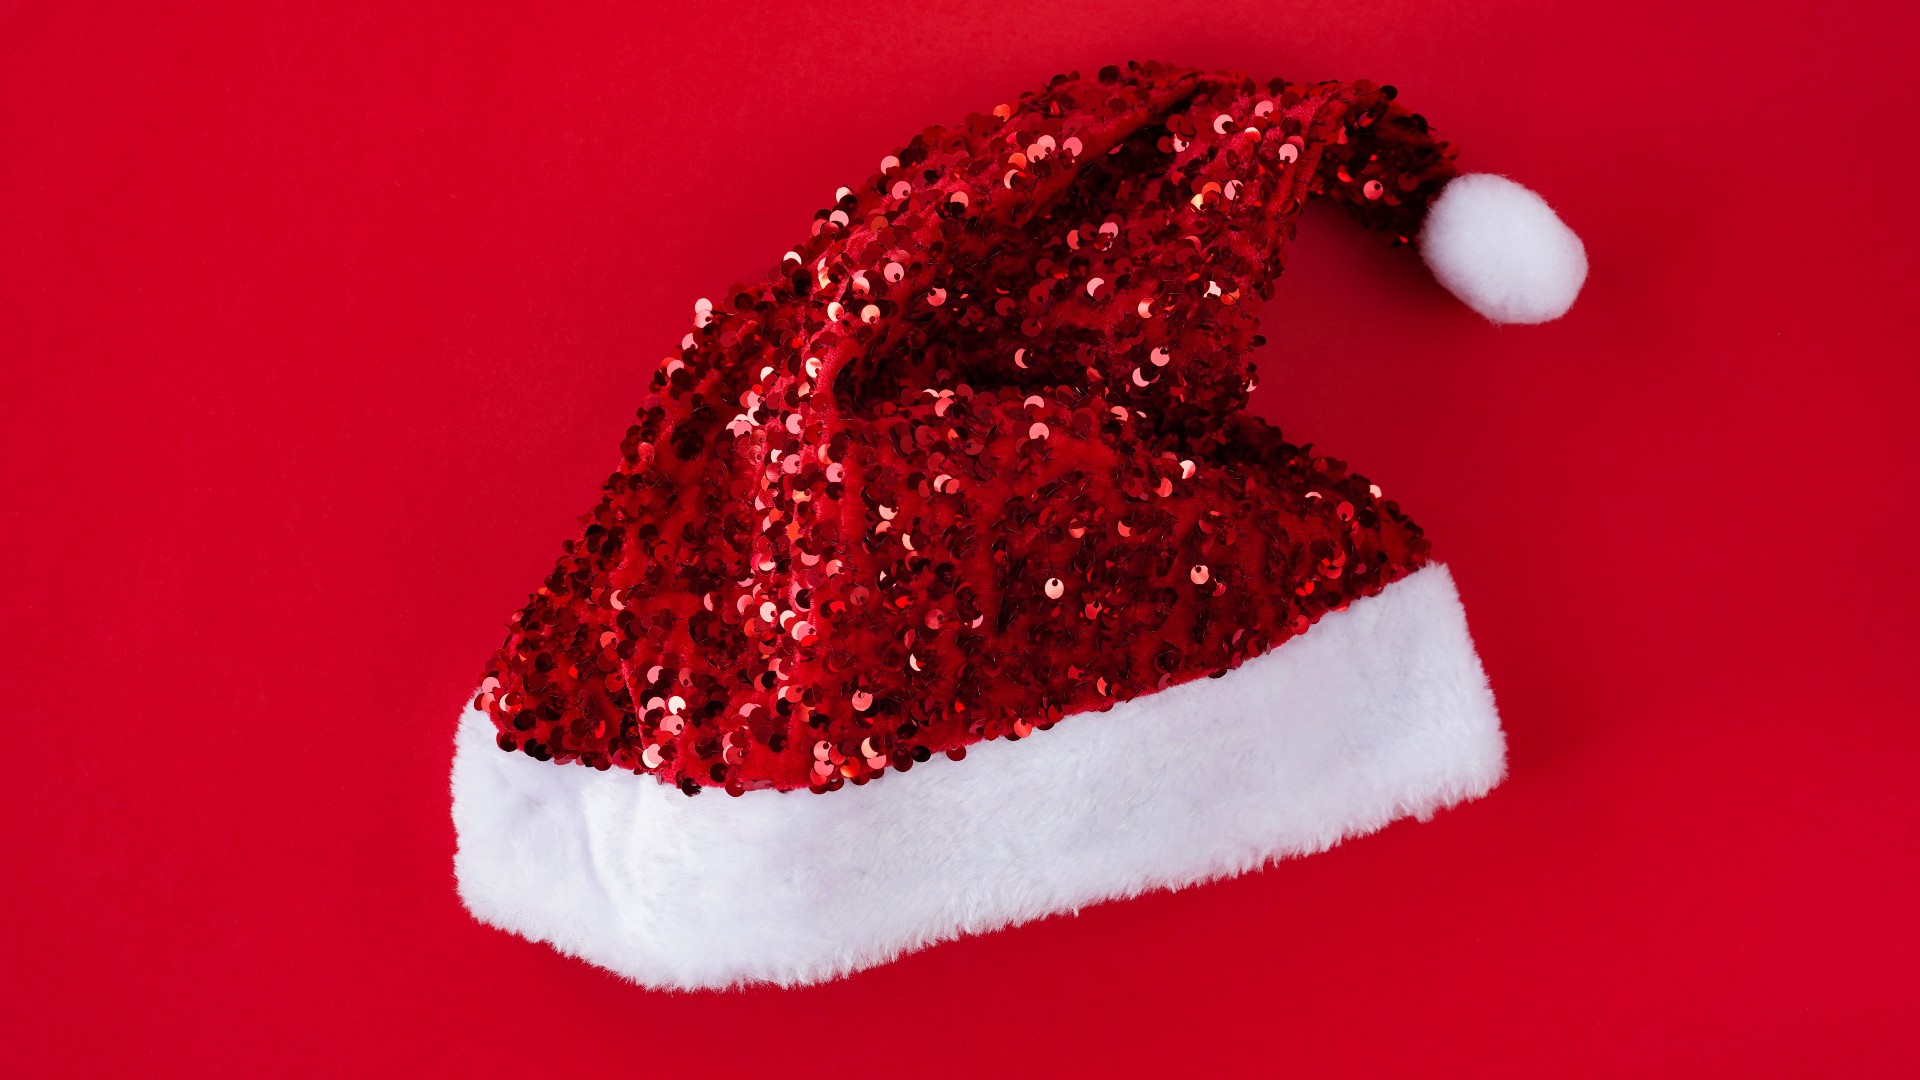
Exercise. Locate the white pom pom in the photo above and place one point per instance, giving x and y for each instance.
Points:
(1500, 248)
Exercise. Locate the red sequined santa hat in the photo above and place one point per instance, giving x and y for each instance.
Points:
(945, 571)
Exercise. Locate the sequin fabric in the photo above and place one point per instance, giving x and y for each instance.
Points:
(972, 459)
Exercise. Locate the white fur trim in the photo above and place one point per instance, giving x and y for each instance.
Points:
(1500, 248)
(1377, 713)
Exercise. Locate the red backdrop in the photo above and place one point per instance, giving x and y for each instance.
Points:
(289, 297)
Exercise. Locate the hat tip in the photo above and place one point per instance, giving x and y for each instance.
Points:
(1501, 249)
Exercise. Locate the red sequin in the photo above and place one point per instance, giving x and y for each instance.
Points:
(973, 458)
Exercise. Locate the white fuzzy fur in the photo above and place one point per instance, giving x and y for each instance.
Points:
(1499, 247)
(1377, 713)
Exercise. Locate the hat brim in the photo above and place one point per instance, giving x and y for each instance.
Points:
(1377, 713)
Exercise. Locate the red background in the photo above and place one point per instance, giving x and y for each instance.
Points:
(289, 297)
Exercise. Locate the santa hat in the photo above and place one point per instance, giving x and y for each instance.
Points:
(945, 583)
